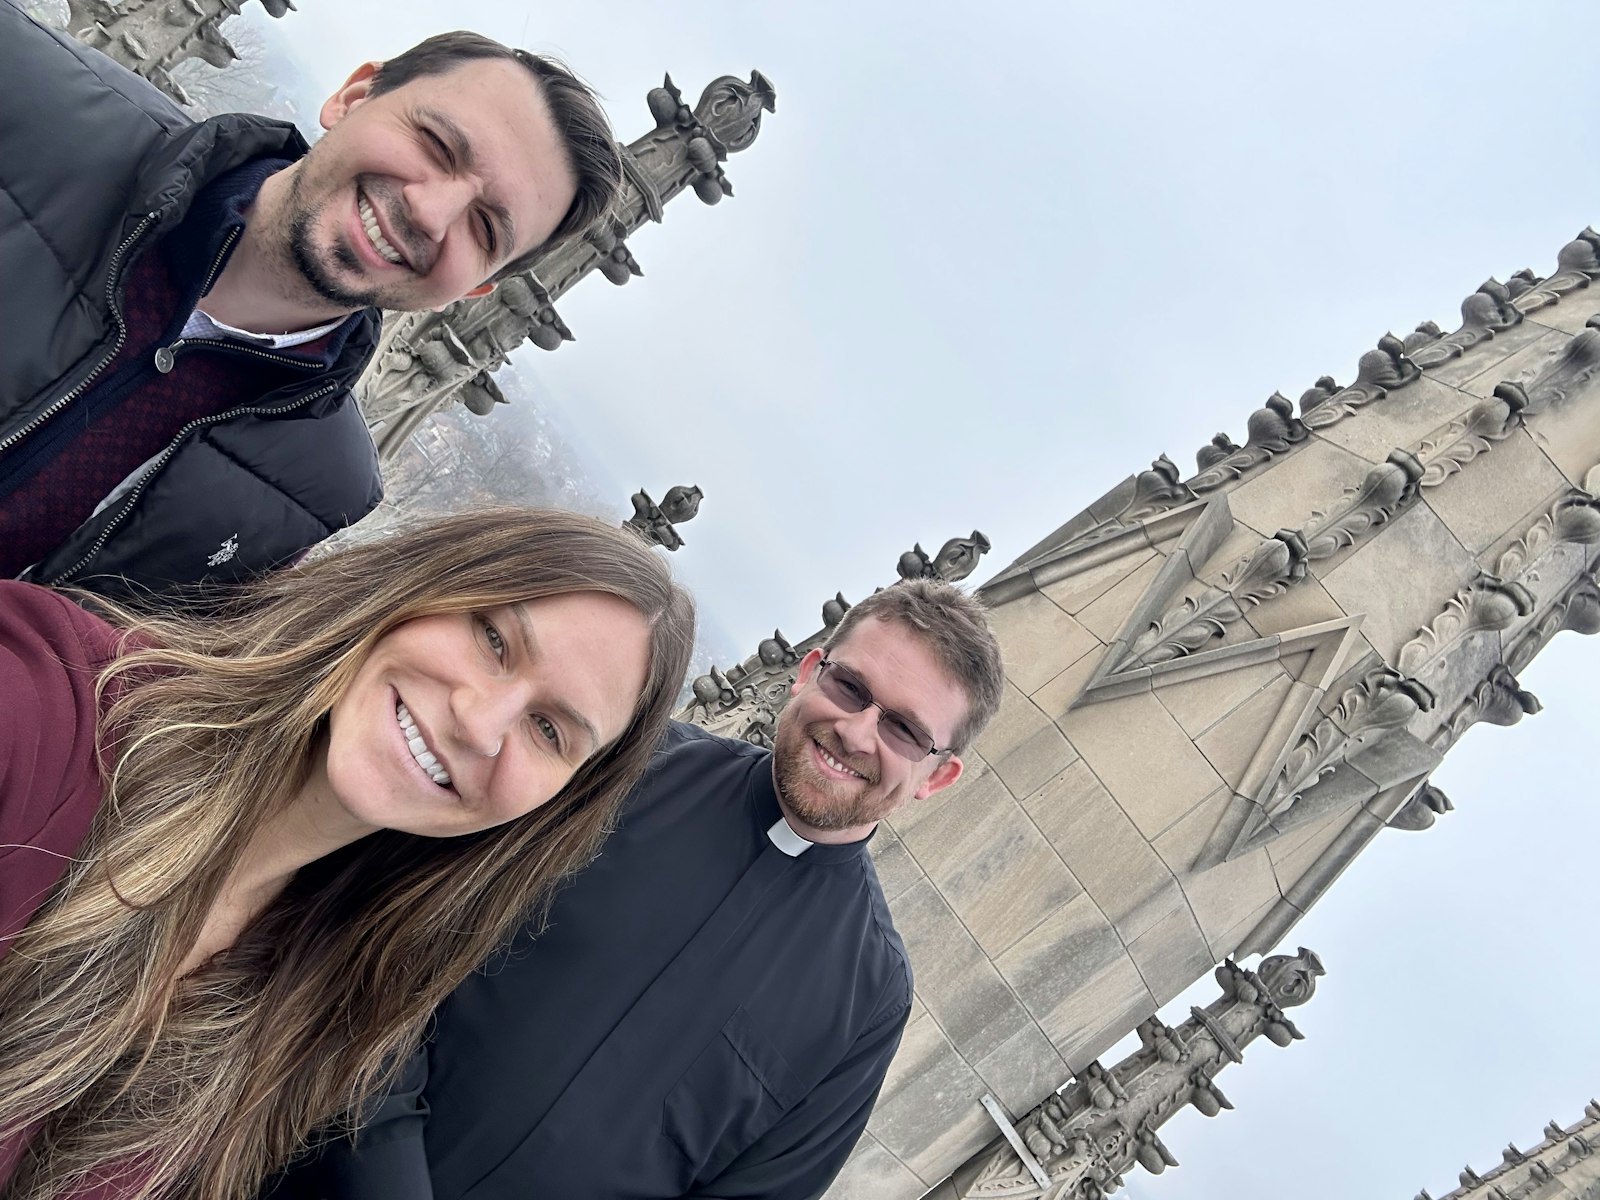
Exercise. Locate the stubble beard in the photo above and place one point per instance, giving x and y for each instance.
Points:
(310, 265)
(825, 804)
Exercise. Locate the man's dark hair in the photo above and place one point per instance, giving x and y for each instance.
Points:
(585, 131)
(955, 627)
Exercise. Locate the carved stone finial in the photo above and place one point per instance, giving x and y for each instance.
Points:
(681, 503)
(959, 557)
(833, 611)
(1291, 980)
(1419, 812)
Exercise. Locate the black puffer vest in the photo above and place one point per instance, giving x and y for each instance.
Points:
(95, 164)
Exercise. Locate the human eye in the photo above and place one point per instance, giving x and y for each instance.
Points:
(546, 728)
(492, 638)
(850, 686)
(489, 242)
(898, 727)
(438, 146)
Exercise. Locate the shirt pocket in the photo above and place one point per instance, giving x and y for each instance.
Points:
(731, 1094)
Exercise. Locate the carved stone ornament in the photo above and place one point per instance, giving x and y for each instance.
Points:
(1420, 812)
(746, 700)
(407, 382)
(1577, 266)
(151, 37)
(658, 524)
(1105, 1122)
(1485, 313)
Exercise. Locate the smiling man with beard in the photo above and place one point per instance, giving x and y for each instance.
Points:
(187, 305)
(713, 1004)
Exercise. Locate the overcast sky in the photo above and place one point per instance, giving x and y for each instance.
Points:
(984, 261)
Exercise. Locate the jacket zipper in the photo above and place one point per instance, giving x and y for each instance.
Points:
(138, 489)
(122, 335)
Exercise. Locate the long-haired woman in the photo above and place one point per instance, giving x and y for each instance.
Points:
(243, 858)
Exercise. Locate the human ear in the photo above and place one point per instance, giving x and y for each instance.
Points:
(943, 776)
(352, 92)
(483, 289)
(808, 668)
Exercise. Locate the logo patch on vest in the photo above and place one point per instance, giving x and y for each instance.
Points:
(225, 552)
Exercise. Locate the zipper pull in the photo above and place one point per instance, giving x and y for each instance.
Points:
(166, 358)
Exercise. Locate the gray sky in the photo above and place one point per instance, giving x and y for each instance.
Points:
(986, 260)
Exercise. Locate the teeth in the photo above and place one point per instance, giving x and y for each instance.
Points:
(369, 221)
(837, 765)
(419, 748)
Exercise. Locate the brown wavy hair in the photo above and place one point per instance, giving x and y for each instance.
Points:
(105, 1051)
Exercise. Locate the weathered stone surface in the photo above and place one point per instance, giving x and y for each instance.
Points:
(1022, 745)
(1287, 495)
(1514, 479)
(1487, 356)
(1418, 553)
(1522, 366)
(1105, 616)
(1199, 704)
(929, 1092)
(963, 991)
(897, 870)
(1077, 591)
(1171, 954)
(990, 862)
(1231, 744)
(871, 1172)
(1224, 896)
(1072, 972)
(1104, 850)
(1039, 640)
(1156, 776)
(1024, 1070)
(1405, 415)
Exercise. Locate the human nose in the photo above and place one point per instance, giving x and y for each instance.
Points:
(485, 717)
(435, 205)
(858, 731)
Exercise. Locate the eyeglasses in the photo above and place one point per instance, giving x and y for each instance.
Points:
(844, 687)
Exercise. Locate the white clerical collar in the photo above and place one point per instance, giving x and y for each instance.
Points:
(786, 839)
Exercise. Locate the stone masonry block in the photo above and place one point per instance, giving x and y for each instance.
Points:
(1023, 1071)
(993, 867)
(1171, 955)
(1220, 896)
(1143, 757)
(1077, 591)
(961, 987)
(897, 870)
(928, 1089)
(1037, 639)
(1521, 366)
(1198, 704)
(1400, 419)
(1479, 504)
(1489, 355)
(1022, 745)
(1105, 852)
(1231, 744)
(1105, 616)
(1074, 975)
(1306, 603)
(872, 1173)
(1296, 486)
(1418, 553)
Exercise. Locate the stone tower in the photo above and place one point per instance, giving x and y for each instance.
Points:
(428, 359)
(1220, 689)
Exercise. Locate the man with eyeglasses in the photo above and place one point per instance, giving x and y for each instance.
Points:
(713, 1004)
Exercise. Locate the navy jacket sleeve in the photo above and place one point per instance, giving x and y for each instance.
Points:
(799, 1156)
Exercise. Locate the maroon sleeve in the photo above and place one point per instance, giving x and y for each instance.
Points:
(51, 652)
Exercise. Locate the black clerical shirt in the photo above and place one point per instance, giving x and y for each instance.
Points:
(709, 1014)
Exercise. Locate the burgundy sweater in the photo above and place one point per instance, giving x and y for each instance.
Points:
(51, 652)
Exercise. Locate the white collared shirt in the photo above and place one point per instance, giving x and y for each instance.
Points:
(203, 325)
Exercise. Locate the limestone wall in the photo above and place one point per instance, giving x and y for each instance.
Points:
(1221, 688)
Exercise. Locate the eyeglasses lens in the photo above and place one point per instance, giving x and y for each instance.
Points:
(842, 687)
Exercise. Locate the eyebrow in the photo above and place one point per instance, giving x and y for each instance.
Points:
(530, 651)
(461, 147)
(909, 714)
